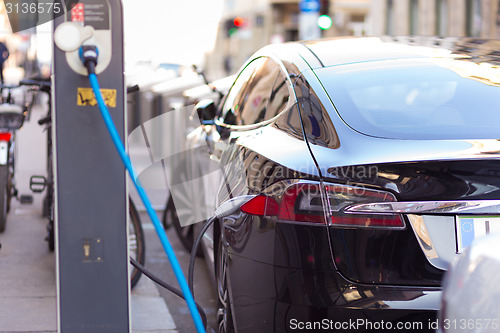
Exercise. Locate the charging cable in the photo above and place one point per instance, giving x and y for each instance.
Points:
(227, 208)
(167, 286)
(89, 55)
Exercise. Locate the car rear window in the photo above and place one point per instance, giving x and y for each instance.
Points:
(417, 99)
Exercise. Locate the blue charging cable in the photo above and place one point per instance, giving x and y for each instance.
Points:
(89, 58)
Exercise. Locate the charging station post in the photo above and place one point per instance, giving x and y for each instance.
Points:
(91, 205)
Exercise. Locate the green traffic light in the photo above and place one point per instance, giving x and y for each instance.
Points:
(324, 22)
(232, 31)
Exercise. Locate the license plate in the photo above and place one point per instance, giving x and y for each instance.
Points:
(470, 228)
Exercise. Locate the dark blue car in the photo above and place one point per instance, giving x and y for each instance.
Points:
(366, 157)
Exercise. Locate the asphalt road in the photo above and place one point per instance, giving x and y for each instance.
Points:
(157, 262)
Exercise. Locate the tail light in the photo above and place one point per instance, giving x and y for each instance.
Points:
(303, 201)
(261, 205)
(5, 136)
(341, 196)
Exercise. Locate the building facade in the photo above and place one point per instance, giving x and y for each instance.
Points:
(275, 21)
(270, 21)
(456, 18)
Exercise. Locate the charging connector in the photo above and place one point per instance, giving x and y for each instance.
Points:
(227, 208)
(88, 55)
(69, 37)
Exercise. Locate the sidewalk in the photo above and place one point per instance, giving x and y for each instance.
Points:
(27, 285)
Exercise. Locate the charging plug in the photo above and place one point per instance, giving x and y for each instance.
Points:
(70, 37)
(232, 206)
(88, 55)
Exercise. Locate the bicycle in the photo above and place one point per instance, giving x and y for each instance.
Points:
(137, 247)
(12, 118)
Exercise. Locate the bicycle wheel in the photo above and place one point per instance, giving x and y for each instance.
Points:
(10, 187)
(137, 247)
(50, 238)
(4, 174)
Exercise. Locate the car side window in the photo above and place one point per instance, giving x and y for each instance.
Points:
(261, 84)
(259, 93)
(316, 122)
(238, 93)
(279, 97)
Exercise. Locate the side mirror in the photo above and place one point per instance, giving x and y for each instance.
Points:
(206, 111)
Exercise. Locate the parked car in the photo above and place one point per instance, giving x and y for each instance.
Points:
(370, 161)
(470, 289)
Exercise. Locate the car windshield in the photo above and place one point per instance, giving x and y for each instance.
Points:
(417, 99)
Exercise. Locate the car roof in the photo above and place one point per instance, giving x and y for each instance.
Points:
(341, 51)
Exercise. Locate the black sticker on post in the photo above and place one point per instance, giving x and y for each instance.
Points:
(27, 14)
(97, 15)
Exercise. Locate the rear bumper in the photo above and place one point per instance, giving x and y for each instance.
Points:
(282, 278)
(340, 319)
(267, 298)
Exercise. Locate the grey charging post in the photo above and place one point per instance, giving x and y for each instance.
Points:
(91, 206)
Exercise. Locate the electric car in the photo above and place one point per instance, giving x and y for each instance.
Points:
(366, 163)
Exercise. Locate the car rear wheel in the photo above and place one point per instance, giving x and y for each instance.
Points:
(224, 314)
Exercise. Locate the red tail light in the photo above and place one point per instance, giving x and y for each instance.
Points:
(341, 196)
(5, 136)
(303, 202)
(262, 206)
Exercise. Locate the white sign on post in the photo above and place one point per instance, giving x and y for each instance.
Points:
(308, 19)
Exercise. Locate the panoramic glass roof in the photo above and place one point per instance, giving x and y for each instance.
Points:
(423, 98)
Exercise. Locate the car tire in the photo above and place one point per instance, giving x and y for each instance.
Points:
(224, 314)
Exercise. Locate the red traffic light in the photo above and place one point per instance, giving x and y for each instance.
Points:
(239, 21)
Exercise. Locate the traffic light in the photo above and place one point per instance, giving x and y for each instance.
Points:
(232, 25)
(324, 7)
(324, 20)
(239, 21)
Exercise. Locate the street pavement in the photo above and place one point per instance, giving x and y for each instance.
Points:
(28, 278)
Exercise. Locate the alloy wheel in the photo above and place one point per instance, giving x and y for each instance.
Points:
(224, 315)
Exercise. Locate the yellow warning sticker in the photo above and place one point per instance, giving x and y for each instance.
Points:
(86, 97)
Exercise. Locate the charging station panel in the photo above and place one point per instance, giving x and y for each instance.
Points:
(91, 193)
